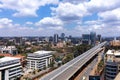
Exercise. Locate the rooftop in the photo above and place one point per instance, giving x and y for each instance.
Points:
(113, 52)
(4, 59)
(43, 52)
(109, 52)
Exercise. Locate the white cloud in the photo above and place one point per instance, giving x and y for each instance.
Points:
(102, 5)
(75, 10)
(69, 12)
(25, 7)
(29, 23)
(5, 23)
(109, 16)
(75, 1)
(50, 22)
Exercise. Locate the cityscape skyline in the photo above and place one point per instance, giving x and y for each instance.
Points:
(47, 17)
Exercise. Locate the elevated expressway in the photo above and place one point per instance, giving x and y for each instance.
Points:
(69, 69)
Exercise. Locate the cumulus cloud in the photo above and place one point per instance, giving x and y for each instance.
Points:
(102, 5)
(5, 22)
(112, 15)
(69, 12)
(50, 22)
(25, 7)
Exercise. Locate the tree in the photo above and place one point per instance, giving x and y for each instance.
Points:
(68, 57)
(51, 64)
(78, 50)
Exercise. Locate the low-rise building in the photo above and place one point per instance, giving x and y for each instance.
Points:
(22, 58)
(10, 68)
(112, 62)
(115, 43)
(39, 59)
(9, 49)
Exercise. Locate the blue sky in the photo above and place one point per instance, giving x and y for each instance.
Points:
(46, 17)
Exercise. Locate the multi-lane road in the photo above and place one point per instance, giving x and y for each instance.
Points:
(69, 69)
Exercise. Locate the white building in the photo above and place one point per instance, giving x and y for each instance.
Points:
(112, 64)
(10, 68)
(9, 49)
(39, 59)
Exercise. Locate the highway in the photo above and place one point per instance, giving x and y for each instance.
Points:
(88, 69)
(69, 69)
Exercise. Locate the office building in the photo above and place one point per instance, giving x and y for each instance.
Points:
(62, 36)
(93, 38)
(112, 62)
(10, 68)
(39, 59)
(99, 38)
(86, 39)
(56, 38)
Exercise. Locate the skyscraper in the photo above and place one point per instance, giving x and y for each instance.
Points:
(93, 38)
(62, 36)
(86, 39)
(55, 38)
(99, 38)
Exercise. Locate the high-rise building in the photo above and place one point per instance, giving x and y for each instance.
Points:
(86, 39)
(93, 38)
(112, 62)
(99, 38)
(10, 68)
(51, 39)
(70, 37)
(56, 38)
(62, 36)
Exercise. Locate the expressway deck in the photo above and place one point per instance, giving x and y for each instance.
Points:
(66, 71)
